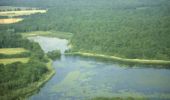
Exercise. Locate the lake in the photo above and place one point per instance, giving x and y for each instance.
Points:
(82, 78)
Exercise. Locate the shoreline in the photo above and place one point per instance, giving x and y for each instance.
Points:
(125, 60)
(57, 34)
(45, 78)
(29, 90)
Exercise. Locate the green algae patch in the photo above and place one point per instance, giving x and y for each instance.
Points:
(75, 83)
(71, 77)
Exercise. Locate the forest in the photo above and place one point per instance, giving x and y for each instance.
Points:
(128, 29)
(20, 75)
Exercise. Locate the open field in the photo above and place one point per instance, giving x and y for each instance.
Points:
(10, 51)
(12, 60)
(21, 13)
(10, 20)
(62, 35)
(137, 61)
(13, 51)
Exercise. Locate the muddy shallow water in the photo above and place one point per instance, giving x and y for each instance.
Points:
(81, 78)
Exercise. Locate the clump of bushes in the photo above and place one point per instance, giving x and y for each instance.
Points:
(55, 54)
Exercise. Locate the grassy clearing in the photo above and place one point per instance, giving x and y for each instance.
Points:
(62, 35)
(12, 60)
(137, 61)
(10, 51)
(13, 51)
(10, 20)
(21, 13)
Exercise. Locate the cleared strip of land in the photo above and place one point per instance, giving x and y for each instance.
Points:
(62, 35)
(10, 51)
(12, 60)
(137, 61)
(21, 13)
(13, 8)
(10, 20)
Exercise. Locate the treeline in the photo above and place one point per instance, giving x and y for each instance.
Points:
(10, 39)
(141, 33)
(55, 54)
(18, 75)
(125, 28)
(84, 16)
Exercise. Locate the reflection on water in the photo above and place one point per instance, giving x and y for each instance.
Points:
(49, 44)
(79, 78)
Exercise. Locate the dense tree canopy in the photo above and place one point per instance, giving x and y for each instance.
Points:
(19, 75)
(125, 28)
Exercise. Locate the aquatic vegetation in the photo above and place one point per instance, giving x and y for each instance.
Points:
(86, 78)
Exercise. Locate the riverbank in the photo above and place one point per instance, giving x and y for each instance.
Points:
(125, 60)
(35, 86)
(22, 93)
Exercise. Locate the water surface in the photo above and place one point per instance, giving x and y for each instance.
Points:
(50, 44)
(80, 78)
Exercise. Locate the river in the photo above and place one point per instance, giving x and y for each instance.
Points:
(82, 78)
